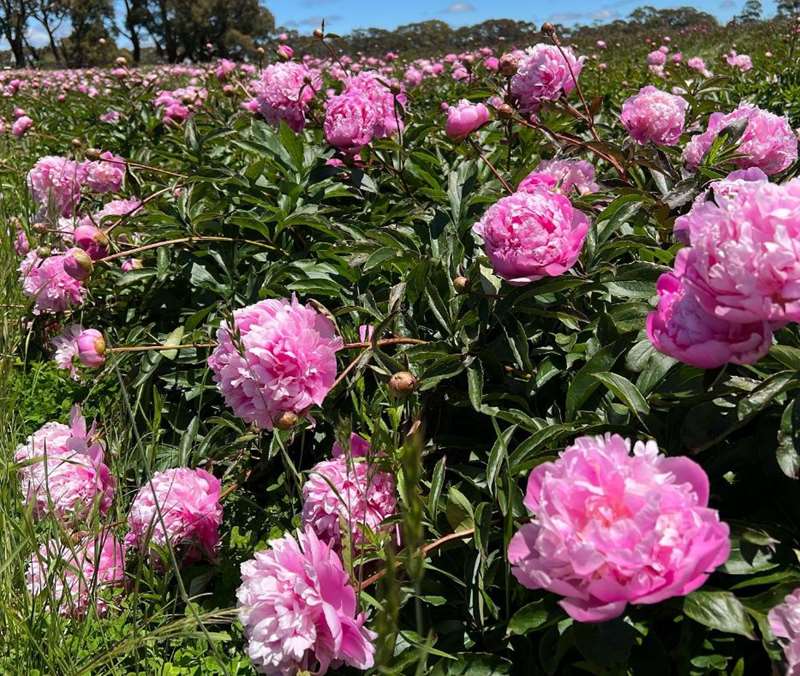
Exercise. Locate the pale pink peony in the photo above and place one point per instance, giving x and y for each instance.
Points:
(784, 620)
(464, 118)
(768, 141)
(285, 91)
(287, 360)
(349, 492)
(657, 58)
(697, 64)
(181, 507)
(743, 263)
(388, 118)
(681, 328)
(721, 189)
(21, 244)
(611, 528)
(77, 576)
(110, 117)
(350, 121)
(224, 68)
(532, 234)
(56, 182)
(562, 176)
(48, 284)
(62, 470)
(106, 174)
(180, 104)
(544, 74)
(741, 61)
(21, 126)
(66, 349)
(298, 609)
(654, 116)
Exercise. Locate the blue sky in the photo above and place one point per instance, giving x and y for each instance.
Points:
(343, 15)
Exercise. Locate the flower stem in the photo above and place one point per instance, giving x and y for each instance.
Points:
(492, 168)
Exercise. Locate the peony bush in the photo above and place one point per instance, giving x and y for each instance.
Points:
(477, 363)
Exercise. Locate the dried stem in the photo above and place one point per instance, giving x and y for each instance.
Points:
(491, 166)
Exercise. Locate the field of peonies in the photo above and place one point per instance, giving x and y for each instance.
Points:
(484, 364)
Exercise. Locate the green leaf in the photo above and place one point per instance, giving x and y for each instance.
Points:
(719, 610)
(173, 338)
(626, 391)
(788, 451)
(584, 383)
(459, 511)
(531, 617)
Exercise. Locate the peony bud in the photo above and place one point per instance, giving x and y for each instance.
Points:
(285, 52)
(504, 111)
(461, 284)
(92, 240)
(548, 28)
(402, 383)
(78, 264)
(76, 143)
(43, 251)
(508, 65)
(286, 420)
(318, 34)
(121, 61)
(91, 348)
(92, 153)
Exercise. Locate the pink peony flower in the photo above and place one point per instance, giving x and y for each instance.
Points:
(56, 182)
(110, 117)
(348, 492)
(743, 263)
(285, 91)
(179, 105)
(91, 239)
(388, 119)
(654, 116)
(561, 176)
(106, 174)
(21, 244)
(721, 189)
(77, 264)
(298, 609)
(178, 506)
(66, 349)
(350, 121)
(768, 141)
(784, 620)
(284, 52)
(21, 126)
(741, 61)
(683, 329)
(464, 118)
(62, 470)
(224, 68)
(612, 529)
(532, 234)
(91, 348)
(697, 64)
(77, 576)
(656, 58)
(48, 284)
(544, 75)
(283, 359)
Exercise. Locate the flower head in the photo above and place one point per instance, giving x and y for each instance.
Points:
(56, 182)
(298, 609)
(464, 118)
(350, 121)
(613, 528)
(784, 620)
(48, 284)
(75, 576)
(348, 492)
(62, 470)
(285, 91)
(544, 73)
(282, 358)
(532, 234)
(768, 141)
(562, 176)
(181, 507)
(654, 116)
(106, 174)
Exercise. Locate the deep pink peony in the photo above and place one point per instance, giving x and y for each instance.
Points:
(106, 174)
(683, 329)
(284, 92)
(48, 284)
(613, 528)
(287, 360)
(180, 104)
(91, 239)
(744, 263)
(79, 575)
(349, 492)
(654, 116)
(464, 118)
(784, 620)
(91, 348)
(767, 143)
(180, 506)
(562, 176)
(298, 609)
(350, 121)
(56, 182)
(62, 470)
(543, 74)
(389, 119)
(532, 234)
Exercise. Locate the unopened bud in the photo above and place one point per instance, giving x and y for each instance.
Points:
(286, 420)
(504, 111)
(395, 88)
(78, 264)
(260, 51)
(548, 28)
(76, 143)
(40, 227)
(319, 34)
(508, 65)
(92, 153)
(43, 251)
(461, 284)
(402, 383)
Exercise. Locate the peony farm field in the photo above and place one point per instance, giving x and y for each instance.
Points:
(483, 363)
